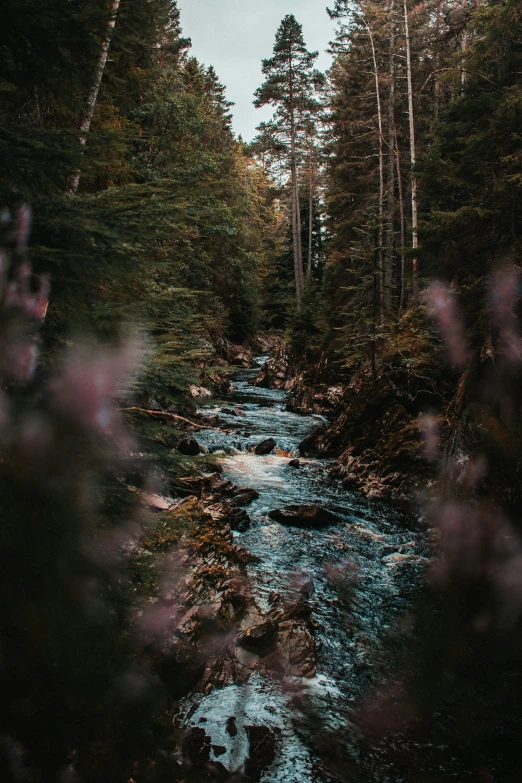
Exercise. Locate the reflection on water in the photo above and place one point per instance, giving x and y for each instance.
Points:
(364, 570)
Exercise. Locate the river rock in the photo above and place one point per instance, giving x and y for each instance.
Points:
(238, 519)
(294, 463)
(196, 746)
(243, 496)
(231, 728)
(296, 653)
(242, 359)
(307, 588)
(261, 751)
(304, 516)
(266, 446)
(299, 611)
(276, 372)
(190, 447)
(259, 639)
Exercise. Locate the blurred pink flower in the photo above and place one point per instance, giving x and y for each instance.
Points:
(443, 309)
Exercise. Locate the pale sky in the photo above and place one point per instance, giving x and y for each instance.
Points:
(235, 35)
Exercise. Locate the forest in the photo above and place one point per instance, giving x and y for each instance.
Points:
(261, 399)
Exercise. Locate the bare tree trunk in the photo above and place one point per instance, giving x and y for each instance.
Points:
(402, 304)
(388, 269)
(310, 215)
(413, 161)
(381, 168)
(463, 47)
(85, 124)
(296, 212)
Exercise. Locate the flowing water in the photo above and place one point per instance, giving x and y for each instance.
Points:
(365, 571)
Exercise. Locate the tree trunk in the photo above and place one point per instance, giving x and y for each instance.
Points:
(388, 270)
(381, 169)
(310, 215)
(85, 124)
(296, 212)
(413, 161)
(402, 304)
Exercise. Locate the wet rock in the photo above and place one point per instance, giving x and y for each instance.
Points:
(304, 516)
(238, 520)
(261, 751)
(242, 359)
(296, 650)
(229, 412)
(299, 611)
(243, 496)
(219, 490)
(307, 588)
(350, 481)
(309, 445)
(265, 447)
(317, 399)
(231, 727)
(196, 746)
(219, 750)
(259, 639)
(277, 371)
(190, 447)
(294, 463)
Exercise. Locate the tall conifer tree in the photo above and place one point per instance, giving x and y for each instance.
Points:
(290, 87)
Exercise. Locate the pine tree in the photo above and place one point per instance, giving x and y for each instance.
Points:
(290, 87)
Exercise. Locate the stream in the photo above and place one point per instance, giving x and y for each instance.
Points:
(365, 572)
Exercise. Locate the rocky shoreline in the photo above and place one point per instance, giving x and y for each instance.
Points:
(373, 425)
(202, 628)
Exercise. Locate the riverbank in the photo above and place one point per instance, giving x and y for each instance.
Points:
(268, 611)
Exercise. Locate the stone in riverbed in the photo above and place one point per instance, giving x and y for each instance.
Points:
(304, 516)
(238, 519)
(259, 639)
(190, 447)
(261, 753)
(294, 463)
(265, 447)
(243, 496)
(231, 728)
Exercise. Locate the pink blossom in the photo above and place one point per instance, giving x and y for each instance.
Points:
(443, 309)
(86, 386)
(429, 427)
(506, 295)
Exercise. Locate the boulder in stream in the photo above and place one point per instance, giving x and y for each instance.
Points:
(261, 751)
(266, 446)
(238, 519)
(190, 447)
(259, 639)
(231, 727)
(304, 516)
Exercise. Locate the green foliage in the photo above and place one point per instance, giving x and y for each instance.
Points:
(471, 174)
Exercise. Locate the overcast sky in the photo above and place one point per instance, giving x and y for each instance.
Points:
(234, 36)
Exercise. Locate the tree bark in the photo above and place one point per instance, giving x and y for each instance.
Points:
(381, 169)
(413, 161)
(85, 124)
(310, 215)
(296, 212)
(402, 303)
(388, 270)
